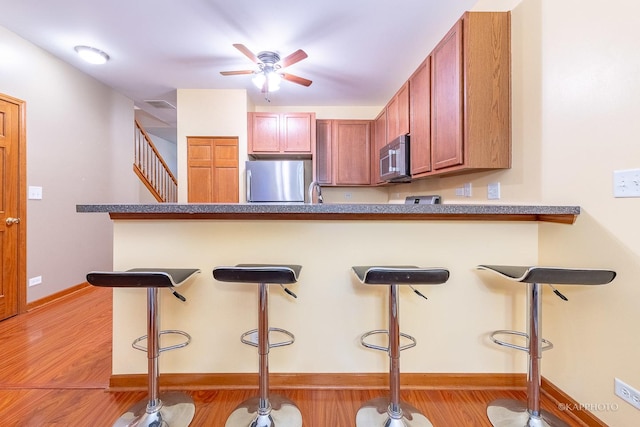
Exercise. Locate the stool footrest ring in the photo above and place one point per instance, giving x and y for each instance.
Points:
(253, 338)
(386, 332)
(547, 345)
(185, 343)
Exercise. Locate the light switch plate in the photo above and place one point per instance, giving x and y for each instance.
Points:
(35, 193)
(626, 183)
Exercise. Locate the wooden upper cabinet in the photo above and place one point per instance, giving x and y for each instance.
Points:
(351, 152)
(447, 100)
(420, 118)
(264, 133)
(343, 152)
(471, 95)
(281, 133)
(398, 114)
(379, 141)
(295, 132)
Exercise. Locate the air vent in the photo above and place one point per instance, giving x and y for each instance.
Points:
(160, 103)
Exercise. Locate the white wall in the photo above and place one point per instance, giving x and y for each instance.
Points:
(79, 139)
(167, 150)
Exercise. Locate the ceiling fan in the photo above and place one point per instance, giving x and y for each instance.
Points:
(267, 78)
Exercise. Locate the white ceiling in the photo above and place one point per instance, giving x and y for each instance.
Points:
(360, 51)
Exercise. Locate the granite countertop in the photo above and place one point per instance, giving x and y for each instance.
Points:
(338, 211)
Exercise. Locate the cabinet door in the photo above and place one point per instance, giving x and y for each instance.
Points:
(323, 152)
(295, 132)
(351, 152)
(264, 133)
(403, 110)
(420, 118)
(225, 171)
(447, 100)
(398, 114)
(212, 170)
(380, 140)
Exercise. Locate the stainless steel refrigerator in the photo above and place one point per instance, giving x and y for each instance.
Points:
(275, 181)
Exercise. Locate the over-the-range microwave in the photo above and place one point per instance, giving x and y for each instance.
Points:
(394, 160)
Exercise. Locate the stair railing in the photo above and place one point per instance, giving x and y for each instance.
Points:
(151, 168)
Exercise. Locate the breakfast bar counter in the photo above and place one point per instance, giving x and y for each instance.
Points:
(424, 212)
(332, 308)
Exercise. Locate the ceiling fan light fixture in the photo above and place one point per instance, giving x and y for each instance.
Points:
(272, 79)
(92, 55)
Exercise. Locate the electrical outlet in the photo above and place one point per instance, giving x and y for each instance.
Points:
(347, 196)
(467, 189)
(460, 191)
(35, 280)
(627, 393)
(493, 191)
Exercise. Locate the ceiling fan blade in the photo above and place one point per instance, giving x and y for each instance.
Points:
(242, 48)
(296, 56)
(235, 73)
(296, 79)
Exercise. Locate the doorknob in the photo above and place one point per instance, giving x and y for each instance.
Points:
(11, 221)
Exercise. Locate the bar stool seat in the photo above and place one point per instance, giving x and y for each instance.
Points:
(391, 411)
(509, 412)
(264, 410)
(172, 409)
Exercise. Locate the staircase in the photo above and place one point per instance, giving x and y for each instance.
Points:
(151, 168)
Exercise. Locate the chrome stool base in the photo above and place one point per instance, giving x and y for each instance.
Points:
(283, 413)
(513, 413)
(375, 413)
(175, 410)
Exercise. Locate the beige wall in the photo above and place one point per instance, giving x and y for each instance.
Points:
(79, 136)
(332, 309)
(590, 63)
(211, 113)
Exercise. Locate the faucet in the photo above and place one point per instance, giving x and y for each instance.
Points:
(312, 186)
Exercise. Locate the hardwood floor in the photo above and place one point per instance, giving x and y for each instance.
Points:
(55, 365)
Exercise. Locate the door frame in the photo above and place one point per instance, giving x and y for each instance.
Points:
(21, 262)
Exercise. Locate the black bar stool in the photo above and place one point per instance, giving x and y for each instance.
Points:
(392, 412)
(509, 412)
(172, 409)
(264, 410)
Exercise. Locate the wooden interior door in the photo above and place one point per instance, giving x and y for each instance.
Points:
(212, 164)
(12, 208)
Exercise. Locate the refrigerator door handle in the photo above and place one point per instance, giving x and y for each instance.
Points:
(248, 185)
(301, 179)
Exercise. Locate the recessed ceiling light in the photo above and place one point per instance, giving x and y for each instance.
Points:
(92, 55)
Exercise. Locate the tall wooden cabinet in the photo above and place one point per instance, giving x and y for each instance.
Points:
(343, 148)
(471, 95)
(281, 133)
